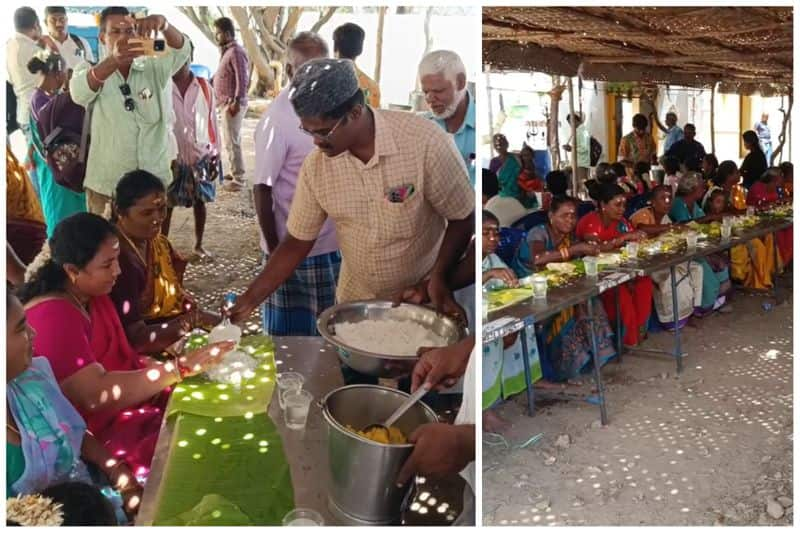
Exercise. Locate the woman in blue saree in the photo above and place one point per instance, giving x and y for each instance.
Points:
(567, 336)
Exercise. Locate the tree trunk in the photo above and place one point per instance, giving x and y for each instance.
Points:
(265, 33)
(574, 130)
(428, 39)
(291, 24)
(552, 122)
(782, 137)
(379, 45)
(257, 54)
(428, 36)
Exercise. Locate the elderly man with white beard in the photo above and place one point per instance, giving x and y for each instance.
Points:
(444, 81)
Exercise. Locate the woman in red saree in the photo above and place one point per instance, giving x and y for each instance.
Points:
(765, 192)
(119, 393)
(610, 229)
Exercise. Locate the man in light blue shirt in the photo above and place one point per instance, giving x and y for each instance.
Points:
(444, 81)
(673, 132)
(130, 109)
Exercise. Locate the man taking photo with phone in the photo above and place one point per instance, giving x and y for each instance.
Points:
(127, 96)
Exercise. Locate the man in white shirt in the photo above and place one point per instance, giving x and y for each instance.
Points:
(73, 48)
(281, 147)
(19, 50)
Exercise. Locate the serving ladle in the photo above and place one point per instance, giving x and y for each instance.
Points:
(394, 417)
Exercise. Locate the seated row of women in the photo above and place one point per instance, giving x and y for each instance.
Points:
(703, 285)
(89, 338)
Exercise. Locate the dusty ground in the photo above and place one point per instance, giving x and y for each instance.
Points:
(712, 446)
(231, 236)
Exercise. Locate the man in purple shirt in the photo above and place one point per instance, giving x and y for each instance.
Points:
(230, 88)
(281, 147)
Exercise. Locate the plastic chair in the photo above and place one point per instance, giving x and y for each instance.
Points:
(507, 246)
(537, 218)
(201, 71)
(636, 203)
(584, 208)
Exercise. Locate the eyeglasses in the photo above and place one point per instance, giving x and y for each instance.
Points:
(125, 89)
(324, 137)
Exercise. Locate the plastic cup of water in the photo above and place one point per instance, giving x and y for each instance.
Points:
(297, 403)
(725, 232)
(691, 241)
(727, 220)
(539, 283)
(288, 381)
(751, 210)
(590, 266)
(632, 249)
(303, 517)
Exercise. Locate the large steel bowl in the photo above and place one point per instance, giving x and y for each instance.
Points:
(376, 364)
(362, 473)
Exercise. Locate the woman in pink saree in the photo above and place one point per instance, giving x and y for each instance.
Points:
(119, 393)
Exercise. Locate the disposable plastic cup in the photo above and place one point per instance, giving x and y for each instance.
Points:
(297, 403)
(303, 517)
(590, 266)
(539, 287)
(288, 381)
(691, 241)
(632, 249)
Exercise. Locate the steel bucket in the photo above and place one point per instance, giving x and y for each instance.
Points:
(362, 477)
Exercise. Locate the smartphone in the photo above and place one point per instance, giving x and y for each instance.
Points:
(151, 47)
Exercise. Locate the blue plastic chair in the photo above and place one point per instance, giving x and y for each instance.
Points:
(636, 203)
(531, 220)
(584, 208)
(201, 71)
(510, 239)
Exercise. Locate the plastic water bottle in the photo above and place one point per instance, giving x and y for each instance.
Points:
(226, 331)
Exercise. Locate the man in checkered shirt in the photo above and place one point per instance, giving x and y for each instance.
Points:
(393, 183)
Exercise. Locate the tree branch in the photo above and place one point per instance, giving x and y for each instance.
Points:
(254, 51)
(198, 22)
(782, 137)
(324, 18)
(291, 23)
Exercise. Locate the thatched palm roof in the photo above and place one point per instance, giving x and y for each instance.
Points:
(745, 49)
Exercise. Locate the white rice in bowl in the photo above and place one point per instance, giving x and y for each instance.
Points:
(388, 337)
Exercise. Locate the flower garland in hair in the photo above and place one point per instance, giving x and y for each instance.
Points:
(38, 262)
(43, 54)
(34, 510)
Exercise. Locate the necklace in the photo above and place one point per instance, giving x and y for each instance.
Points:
(132, 245)
(83, 307)
(12, 428)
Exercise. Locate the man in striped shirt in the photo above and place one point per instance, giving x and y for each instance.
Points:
(230, 88)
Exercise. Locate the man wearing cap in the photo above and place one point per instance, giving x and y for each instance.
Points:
(393, 183)
(444, 81)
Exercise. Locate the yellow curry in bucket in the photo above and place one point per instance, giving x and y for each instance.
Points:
(377, 435)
